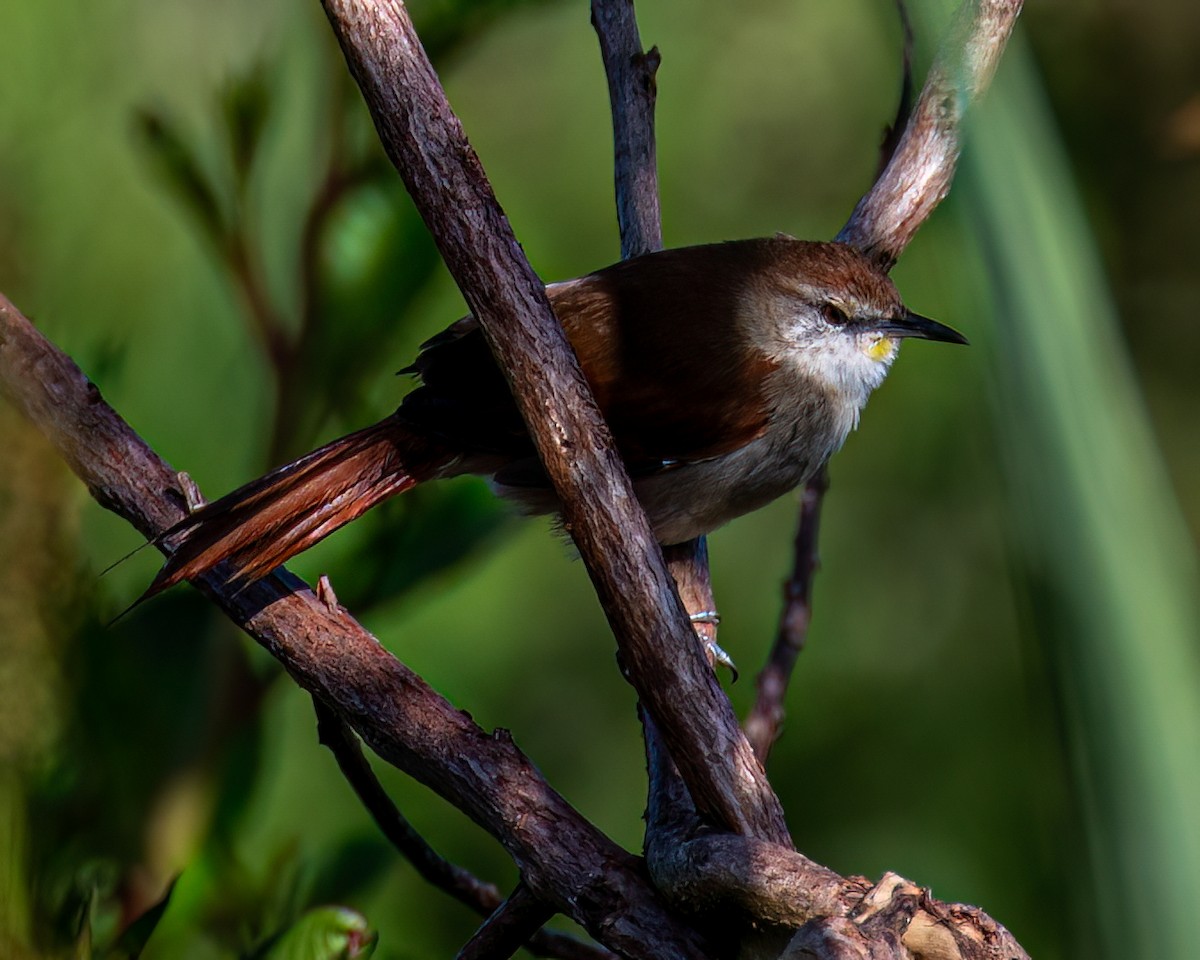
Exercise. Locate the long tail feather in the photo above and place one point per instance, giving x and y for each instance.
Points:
(263, 524)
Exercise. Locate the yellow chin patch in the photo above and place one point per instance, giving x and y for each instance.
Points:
(881, 349)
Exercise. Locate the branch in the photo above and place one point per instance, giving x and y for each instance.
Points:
(918, 177)
(512, 924)
(425, 141)
(467, 889)
(631, 94)
(766, 717)
(478, 895)
(563, 859)
(917, 168)
(587, 877)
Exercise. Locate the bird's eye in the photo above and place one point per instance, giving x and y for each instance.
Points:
(834, 315)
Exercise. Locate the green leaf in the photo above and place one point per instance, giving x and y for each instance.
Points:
(1097, 528)
(245, 104)
(180, 168)
(133, 941)
(349, 870)
(326, 933)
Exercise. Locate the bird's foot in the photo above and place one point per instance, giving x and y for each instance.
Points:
(716, 655)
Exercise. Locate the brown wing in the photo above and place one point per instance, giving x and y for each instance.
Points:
(659, 342)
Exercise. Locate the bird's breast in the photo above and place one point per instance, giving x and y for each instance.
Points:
(694, 498)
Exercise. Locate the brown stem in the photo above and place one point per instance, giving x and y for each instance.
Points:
(764, 723)
(478, 895)
(508, 928)
(631, 93)
(766, 716)
(461, 884)
(425, 141)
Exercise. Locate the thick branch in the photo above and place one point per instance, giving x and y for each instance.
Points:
(631, 92)
(563, 857)
(425, 141)
(465, 887)
(919, 174)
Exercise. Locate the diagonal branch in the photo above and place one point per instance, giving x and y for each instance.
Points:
(918, 177)
(478, 895)
(566, 860)
(334, 733)
(425, 141)
(509, 927)
(918, 166)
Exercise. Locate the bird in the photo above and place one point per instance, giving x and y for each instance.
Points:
(729, 373)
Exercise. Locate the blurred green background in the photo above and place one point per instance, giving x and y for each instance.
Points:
(999, 698)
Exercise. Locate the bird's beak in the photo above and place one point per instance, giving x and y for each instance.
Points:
(915, 325)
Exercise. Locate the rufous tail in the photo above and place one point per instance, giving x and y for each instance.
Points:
(263, 524)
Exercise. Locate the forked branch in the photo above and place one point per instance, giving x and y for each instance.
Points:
(409, 725)
(425, 141)
(332, 657)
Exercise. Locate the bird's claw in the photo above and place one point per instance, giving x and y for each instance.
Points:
(720, 658)
(716, 656)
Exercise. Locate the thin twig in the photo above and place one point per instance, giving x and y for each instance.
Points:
(766, 716)
(465, 887)
(657, 645)
(765, 720)
(461, 884)
(918, 165)
(508, 928)
(632, 92)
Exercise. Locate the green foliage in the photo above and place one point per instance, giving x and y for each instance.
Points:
(1101, 532)
(134, 937)
(245, 105)
(180, 167)
(1000, 680)
(330, 933)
